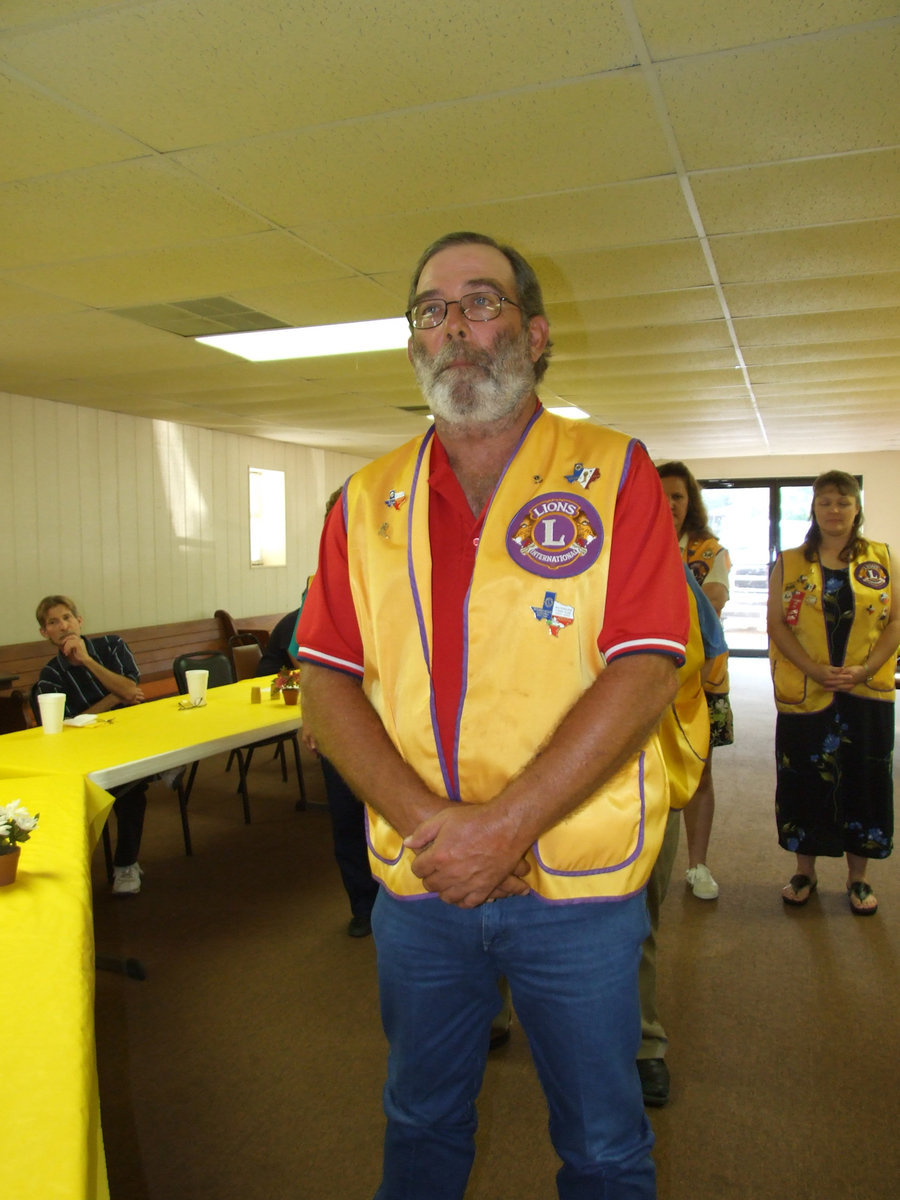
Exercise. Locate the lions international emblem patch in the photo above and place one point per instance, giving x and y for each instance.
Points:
(871, 575)
(556, 535)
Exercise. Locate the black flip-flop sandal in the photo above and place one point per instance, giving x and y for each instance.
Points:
(862, 891)
(798, 883)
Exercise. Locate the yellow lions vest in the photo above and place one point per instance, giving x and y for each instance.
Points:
(684, 727)
(801, 598)
(533, 615)
(699, 555)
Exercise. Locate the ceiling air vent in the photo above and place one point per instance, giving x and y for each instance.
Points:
(413, 408)
(198, 318)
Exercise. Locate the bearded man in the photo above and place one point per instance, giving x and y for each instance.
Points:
(496, 710)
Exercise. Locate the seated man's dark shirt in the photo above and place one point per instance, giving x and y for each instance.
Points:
(277, 652)
(81, 688)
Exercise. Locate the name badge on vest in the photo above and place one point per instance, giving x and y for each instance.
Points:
(556, 535)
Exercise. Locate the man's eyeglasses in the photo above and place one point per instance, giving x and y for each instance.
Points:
(475, 306)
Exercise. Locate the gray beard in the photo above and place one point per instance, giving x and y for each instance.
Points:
(476, 397)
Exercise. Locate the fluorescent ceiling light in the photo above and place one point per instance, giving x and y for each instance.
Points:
(570, 411)
(313, 341)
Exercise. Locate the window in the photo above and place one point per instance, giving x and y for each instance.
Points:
(267, 524)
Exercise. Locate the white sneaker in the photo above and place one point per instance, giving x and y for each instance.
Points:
(127, 880)
(702, 883)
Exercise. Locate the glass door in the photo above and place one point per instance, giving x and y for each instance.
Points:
(755, 519)
(739, 517)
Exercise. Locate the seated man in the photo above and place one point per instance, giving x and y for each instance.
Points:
(97, 674)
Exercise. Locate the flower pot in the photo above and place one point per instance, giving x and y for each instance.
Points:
(291, 695)
(9, 864)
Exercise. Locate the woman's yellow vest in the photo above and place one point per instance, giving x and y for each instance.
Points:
(532, 618)
(684, 726)
(699, 555)
(801, 597)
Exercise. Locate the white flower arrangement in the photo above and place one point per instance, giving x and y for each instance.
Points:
(16, 825)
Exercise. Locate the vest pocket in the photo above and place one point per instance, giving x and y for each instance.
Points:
(789, 682)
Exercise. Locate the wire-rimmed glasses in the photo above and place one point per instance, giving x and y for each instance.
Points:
(475, 306)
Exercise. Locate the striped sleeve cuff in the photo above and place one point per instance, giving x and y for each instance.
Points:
(319, 658)
(647, 646)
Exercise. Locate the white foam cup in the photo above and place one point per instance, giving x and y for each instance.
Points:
(53, 710)
(196, 682)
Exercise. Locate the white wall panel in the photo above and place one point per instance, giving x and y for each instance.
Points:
(143, 521)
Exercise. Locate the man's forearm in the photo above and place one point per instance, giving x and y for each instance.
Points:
(349, 732)
(123, 688)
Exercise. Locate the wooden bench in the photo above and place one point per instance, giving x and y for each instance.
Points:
(155, 647)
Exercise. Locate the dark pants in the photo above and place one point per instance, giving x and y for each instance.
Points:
(129, 807)
(349, 831)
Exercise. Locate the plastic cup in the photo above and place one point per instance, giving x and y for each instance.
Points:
(196, 682)
(53, 711)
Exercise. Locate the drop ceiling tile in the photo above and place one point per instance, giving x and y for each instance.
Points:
(859, 248)
(17, 302)
(676, 28)
(16, 13)
(140, 205)
(632, 213)
(841, 365)
(789, 100)
(331, 301)
(848, 187)
(815, 328)
(182, 74)
(813, 295)
(170, 273)
(47, 137)
(657, 339)
(408, 161)
(872, 360)
(635, 270)
(661, 308)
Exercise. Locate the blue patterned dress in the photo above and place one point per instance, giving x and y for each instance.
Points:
(835, 792)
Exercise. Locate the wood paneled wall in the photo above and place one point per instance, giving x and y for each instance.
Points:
(145, 521)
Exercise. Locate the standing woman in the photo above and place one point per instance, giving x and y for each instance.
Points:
(833, 635)
(710, 564)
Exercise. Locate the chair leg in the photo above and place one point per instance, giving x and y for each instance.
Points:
(242, 787)
(279, 753)
(107, 852)
(301, 803)
(190, 783)
(182, 806)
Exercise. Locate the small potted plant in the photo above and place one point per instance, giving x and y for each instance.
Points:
(288, 683)
(16, 825)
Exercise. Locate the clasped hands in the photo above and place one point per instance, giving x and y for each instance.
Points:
(463, 854)
(842, 679)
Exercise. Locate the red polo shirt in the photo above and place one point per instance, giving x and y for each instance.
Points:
(646, 604)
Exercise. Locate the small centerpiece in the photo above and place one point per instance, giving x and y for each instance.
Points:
(16, 825)
(288, 683)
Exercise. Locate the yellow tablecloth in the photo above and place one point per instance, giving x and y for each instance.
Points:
(51, 1111)
(51, 1114)
(145, 738)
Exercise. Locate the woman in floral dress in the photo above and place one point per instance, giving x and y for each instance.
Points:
(833, 636)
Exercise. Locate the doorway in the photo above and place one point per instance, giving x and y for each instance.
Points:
(754, 519)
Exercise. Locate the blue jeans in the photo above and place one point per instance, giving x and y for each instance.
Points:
(572, 970)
